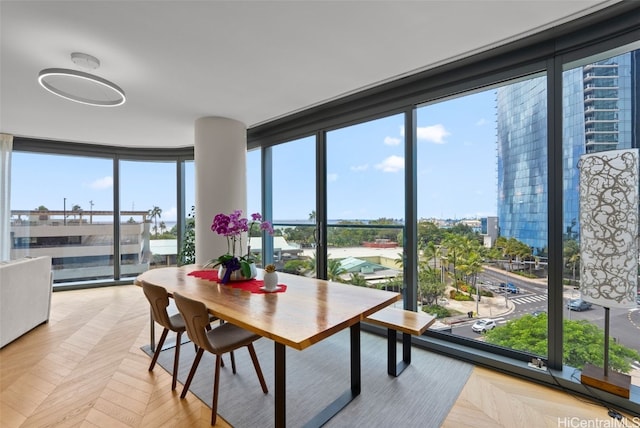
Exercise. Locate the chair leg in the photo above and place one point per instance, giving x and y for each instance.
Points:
(158, 348)
(233, 363)
(216, 382)
(256, 364)
(176, 360)
(192, 372)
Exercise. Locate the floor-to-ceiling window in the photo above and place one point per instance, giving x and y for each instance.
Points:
(482, 209)
(148, 216)
(365, 203)
(62, 206)
(94, 210)
(293, 199)
(601, 95)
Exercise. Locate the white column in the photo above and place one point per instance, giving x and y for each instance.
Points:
(221, 179)
(6, 145)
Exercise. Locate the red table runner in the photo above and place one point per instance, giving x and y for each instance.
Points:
(252, 285)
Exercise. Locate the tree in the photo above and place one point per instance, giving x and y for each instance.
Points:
(430, 287)
(335, 270)
(431, 252)
(187, 253)
(77, 209)
(357, 279)
(155, 214)
(582, 342)
(571, 255)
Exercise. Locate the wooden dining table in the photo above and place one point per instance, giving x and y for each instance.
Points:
(308, 311)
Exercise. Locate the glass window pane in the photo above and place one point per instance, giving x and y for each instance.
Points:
(148, 210)
(66, 214)
(599, 98)
(482, 205)
(294, 206)
(365, 203)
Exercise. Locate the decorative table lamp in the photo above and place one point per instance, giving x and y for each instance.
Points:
(609, 183)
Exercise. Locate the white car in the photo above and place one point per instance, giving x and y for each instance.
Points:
(483, 325)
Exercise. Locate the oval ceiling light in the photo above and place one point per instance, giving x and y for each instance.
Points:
(82, 87)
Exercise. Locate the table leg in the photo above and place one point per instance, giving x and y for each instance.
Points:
(339, 403)
(394, 368)
(280, 383)
(355, 360)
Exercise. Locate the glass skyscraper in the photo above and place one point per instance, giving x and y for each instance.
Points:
(600, 109)
(522, 162)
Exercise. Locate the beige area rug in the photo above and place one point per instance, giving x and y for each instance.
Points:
(421, 396)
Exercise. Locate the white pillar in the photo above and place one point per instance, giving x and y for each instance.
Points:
(6, 147)
(220, 153)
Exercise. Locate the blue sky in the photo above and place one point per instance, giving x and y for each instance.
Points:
(456, 169)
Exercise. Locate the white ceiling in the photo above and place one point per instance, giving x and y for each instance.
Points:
(252, 61)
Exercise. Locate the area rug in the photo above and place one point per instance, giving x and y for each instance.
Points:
(421, 396)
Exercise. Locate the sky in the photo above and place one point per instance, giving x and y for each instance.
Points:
(456, 171)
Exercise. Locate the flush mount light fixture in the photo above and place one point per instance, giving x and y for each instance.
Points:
(80, 86)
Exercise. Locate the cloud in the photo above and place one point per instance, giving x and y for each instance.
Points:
(481, 122)
(170, 214)
(332, 177)
(391, 164)
(359, 168)
(434, 133)
(392, 141)
(102, 183)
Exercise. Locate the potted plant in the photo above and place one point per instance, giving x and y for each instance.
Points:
(235, 266)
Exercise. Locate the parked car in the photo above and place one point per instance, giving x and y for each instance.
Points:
(578, 305)
(483, 325)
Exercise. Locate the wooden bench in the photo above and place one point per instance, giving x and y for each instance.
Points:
(407, 322)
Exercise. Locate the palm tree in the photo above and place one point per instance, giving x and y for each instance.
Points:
(77, 209)
(155, 214)
(163, 227)
(357, 279)
(335, 270)
(431, 252)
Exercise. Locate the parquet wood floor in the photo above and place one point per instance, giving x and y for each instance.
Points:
(85, 369)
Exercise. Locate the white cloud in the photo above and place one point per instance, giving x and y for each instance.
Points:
(481, 122)
(170, 214)
(102, 183)
(392, 141)
(332, 177)
(391, 164)
(359, 168)
(434, 133)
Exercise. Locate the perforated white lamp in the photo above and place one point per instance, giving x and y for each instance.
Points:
(609, 246)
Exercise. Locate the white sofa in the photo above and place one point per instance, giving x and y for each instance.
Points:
(25, 296)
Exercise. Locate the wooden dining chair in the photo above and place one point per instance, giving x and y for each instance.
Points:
(219, 340)
(159, 300)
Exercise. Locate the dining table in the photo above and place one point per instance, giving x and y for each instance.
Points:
(303, 311)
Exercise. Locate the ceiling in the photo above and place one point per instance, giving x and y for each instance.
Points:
(252, 61)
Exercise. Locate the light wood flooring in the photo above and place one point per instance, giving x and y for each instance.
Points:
(85, 368)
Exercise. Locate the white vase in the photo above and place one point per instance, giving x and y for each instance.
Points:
(237, 275)
(270, 280)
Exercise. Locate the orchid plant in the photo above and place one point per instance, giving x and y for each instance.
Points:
(232, 227)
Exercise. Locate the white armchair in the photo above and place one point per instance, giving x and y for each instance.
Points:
(25, 296)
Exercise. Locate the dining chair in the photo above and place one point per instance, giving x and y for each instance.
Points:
(219, 340)
(159, 300)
